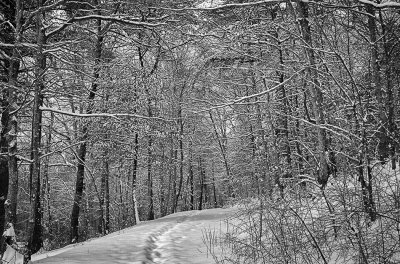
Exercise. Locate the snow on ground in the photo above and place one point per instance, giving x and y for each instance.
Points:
(177, 238)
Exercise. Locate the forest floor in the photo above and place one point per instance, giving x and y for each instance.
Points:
(177, 238)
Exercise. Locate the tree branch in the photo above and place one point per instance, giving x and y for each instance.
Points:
(116, 116)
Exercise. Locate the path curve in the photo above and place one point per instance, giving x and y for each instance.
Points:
(177, 239)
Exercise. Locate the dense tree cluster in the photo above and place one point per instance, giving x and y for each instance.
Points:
(114, 112)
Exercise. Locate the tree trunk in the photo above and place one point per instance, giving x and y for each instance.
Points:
(162, 190)
(299, 151)
(135, 160)
(100, 213)
(4, 173)
(274, 178)
(191, 178)
(180, 143)
(285, 110)
(214, 185)
(101, 229)
(13, 122)
(316, 93)
(267, 180)
(106, 179)
(80, 174)
(134, 176)
(46, 179)
(171, 171)
(34, 231)
(376, 85)
(389, 43)
(8, 133)
(150, 179)
(150, 163)
(135, 166)
(201, 174)
(174, 176)
(224, 156)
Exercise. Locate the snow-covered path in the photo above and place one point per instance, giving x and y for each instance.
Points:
(175, 239)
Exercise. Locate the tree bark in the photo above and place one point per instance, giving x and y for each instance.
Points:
(80, 174)
(8, 142)
(106, 193)
(316, 93)
(4, 173)
(171, 175)
(46, 179)
(376, 85)
(224, 156)
(191, 178)
(134, 176)
(135, 160)
(389, 43)
(202, 176)
(284, 108)
(34, 231)
(180, 143)
(150, 162)
(13, 122)
(150, 179)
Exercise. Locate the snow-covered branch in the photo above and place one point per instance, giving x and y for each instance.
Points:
(46, 109)
(61, 150)
(241, 99)
(388, 4)
(126, 20)
(119, 19)
(19, 45)
(226, 6)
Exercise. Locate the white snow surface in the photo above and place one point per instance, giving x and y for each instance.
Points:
(177, 239)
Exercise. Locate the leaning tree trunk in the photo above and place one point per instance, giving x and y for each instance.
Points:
(80, 174)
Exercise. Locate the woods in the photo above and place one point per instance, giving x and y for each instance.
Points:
(116, 112)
